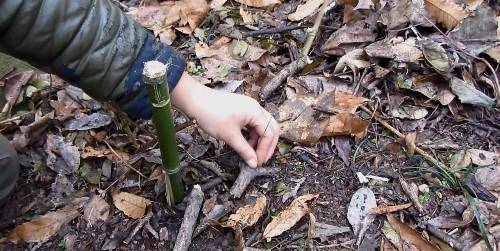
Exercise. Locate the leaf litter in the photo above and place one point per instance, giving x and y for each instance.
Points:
(382, 56)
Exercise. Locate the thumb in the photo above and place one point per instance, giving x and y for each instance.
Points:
(243, 148)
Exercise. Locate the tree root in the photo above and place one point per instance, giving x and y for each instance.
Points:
(247, 174)
(190, 216)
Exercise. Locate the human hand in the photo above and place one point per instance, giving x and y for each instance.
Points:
(224, 115)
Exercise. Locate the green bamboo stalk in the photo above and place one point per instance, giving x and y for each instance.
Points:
(154, 77)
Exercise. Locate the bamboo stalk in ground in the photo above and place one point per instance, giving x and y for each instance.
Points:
(156, 85)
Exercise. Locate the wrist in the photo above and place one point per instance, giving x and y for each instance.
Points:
(190, 96)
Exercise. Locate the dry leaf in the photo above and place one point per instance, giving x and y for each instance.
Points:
(434, 87)
(410, 235)
(409, 112)
(410, 142)
(185, 15)
(354, 59)
(397, 48)
(411, 189)
(26, 134)
(248, 215)
(97, 210)
(259, 3)
(383, 209)
(349, 36)
(460, 160)
(217, 3)
(311, 230)
(44, 227)
(358, 213)
(483, 158)
(130, 204)
(446, 12)
(299, 122)
(489, 177)
(305, 10)
(289, 217)
(468, 94)
(397, 13)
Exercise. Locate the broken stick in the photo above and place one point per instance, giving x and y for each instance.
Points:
(300, 63)
(246, 175)
(189, 221)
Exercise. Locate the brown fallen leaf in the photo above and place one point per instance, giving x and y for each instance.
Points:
(248, 215)
(97, 210)
(350, 36)
(398, 13)
(434, 87)
(410, 235)
(185, 15)
(311, 230)
(289, 217)
(259, 3)
(299, 120)
(483, 158)
(398, 49)
(354, 59)
(44, 227)
(130, 204)
(27, 134)
(13, 85)
(447, 12)
(411, 189)
(305, 10)
(383, 209)
(489, 177)
(410, 142)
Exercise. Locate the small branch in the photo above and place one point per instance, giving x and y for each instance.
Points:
(247, 174)
(210, 184)
(272, 31)
(454, 243)
(215, 214)
(191, 214)
(300, 63)
(215, 168)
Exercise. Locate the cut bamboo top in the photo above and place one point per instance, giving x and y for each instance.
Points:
(154, 69)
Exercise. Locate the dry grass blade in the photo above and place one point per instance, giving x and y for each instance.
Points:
(447, 12)
(383, 209)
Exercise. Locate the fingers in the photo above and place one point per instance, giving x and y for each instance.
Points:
(267, 129)
(253, 139)
(243, 148)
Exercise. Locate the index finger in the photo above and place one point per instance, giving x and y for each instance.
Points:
(262, 126)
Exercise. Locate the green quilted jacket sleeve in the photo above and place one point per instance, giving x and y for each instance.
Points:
(89, 43)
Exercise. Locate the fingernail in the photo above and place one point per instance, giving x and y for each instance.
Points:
(252, 163)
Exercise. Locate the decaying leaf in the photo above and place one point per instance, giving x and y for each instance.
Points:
(436, 55)
(185, 15)
(447, 12)
(44, 227)
(482, 23)
(97, 210)
(483, 158)
(299, 122)
(343, 149)
(489, 177)
(409, 112)
(248, 215)
(493, 236)
(398, 13)
(259, 3)
(130, 204)
(349, 36)
(397, 48)
(410, 235)
(83, 122)
(434, 87)
(468, 94)
(323, 231)
(304, 10)
(224, 55)
(289, 217)
(383, 209)
(354, 60)
(62, 156)
(411, 189)
(460, 160)
(29, 133)
(358, 213)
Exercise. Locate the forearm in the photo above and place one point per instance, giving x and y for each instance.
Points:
(188, 93)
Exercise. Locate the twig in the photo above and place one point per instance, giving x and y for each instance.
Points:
(272, 31)
(215, 214)
(399, 134)
(246, 175)
(215, 168)
(300, 63)
(454, 244)
(211, 183)
(189, 221)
